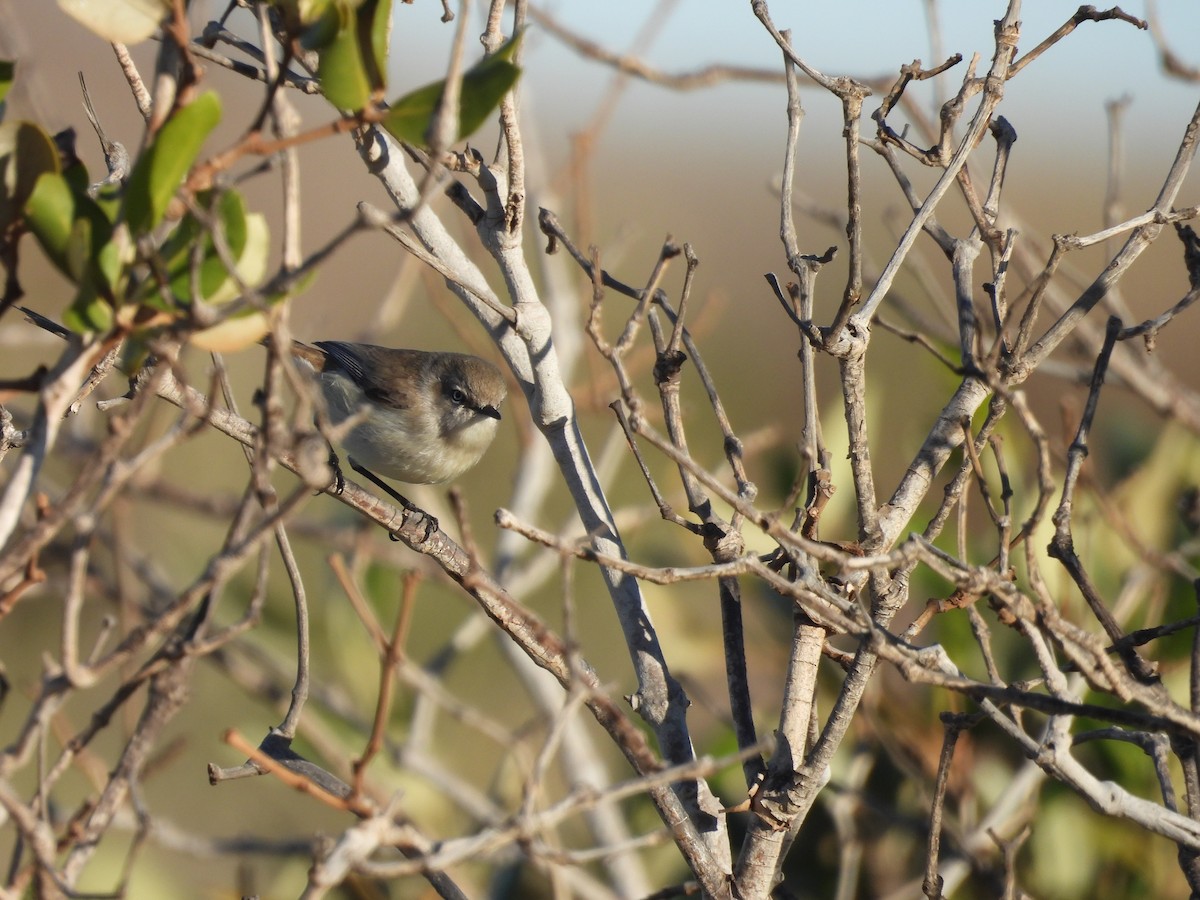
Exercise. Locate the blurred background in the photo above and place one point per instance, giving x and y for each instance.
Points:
(626, 162)
(701, 165)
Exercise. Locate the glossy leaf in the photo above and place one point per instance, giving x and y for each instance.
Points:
(77, 237)
(321, 27)
(89, 312)
(253, 255)
(249, 326)
(483, 87)
(341, 70)
(193, 266)
(234, 333)
(249, 244)
(52, 214)
(178, 249)
(79, 251)
(161, 168)
(118, 21)
(352, 37)
(26, 153)
(375, 17)
(111, 260)
(79, 181)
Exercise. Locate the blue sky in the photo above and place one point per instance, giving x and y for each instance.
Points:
(863, 37)
(1100, 61)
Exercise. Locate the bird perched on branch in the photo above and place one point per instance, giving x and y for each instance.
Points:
(429, 415)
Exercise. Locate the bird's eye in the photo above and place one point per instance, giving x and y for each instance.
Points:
(458, 397)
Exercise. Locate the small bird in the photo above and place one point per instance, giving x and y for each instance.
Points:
(430, 415)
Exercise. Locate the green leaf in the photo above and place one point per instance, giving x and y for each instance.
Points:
(247, 239)
(79, 180)
(77, 237)
(26, 153)
(319, 21)
(110, 266)
(79, 250)
(89, 312)
(161, 168)
(375, 18)
(352, 37)
(50, 214)
(254, 253)
(248, 326)
(178, 250)
(483, 87)
(118, 21)
(341, 70)
(54, 213)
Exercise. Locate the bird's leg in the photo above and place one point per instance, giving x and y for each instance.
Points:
(431, 522)
(339, 480)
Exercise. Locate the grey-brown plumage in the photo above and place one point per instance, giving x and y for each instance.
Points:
(430, 415)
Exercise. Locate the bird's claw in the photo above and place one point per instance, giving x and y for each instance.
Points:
(339, 480)
(432, 525)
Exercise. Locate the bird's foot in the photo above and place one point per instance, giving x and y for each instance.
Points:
(431, 522)
(339, 480)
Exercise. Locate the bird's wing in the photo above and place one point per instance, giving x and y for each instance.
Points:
(377, 370)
